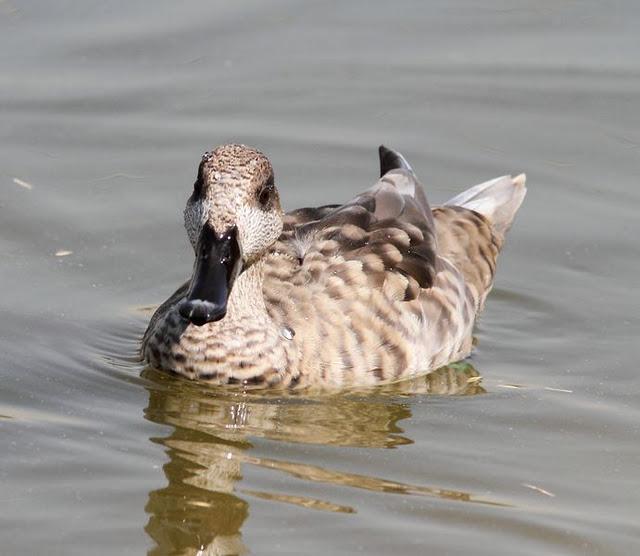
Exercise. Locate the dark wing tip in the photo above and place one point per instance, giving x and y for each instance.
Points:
(391, 160)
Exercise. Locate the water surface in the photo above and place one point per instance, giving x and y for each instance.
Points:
(106, 110)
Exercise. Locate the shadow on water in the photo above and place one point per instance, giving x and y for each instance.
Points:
(202, 508)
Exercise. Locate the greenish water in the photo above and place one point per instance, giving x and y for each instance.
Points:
(106, 110)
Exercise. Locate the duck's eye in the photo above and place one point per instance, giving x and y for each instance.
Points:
(265, 195)
(266, 192)
(197, 187)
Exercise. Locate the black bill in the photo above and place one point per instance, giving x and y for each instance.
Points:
(218, 262)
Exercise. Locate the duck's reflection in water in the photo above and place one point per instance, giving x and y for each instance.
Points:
(202, 508)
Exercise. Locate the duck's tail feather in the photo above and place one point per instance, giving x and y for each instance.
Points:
(497, 199)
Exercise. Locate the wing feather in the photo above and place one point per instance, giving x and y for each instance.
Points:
(389, 229)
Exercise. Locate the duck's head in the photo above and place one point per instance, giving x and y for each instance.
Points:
(232, 218)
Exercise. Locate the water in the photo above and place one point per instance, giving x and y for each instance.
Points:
(106, 110)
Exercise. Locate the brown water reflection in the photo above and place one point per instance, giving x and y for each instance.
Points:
(203, 506)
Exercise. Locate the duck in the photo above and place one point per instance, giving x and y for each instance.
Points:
(376, 290)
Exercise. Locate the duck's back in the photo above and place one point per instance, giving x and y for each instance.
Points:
(383, 287)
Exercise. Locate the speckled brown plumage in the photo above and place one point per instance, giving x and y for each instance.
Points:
(376, 290)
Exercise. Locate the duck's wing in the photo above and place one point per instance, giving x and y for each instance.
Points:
(388, 229)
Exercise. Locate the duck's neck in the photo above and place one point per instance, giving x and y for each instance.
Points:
(246, 301)
(247, 340)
